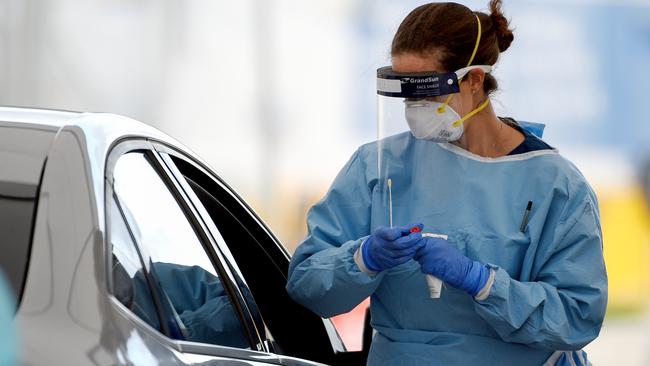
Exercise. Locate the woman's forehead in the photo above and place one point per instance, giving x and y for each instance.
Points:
(416, 62)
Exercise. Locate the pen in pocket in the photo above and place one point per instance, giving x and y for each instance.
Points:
(524, 221)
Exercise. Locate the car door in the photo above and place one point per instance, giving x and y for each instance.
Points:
(175, 300)
(260, 263)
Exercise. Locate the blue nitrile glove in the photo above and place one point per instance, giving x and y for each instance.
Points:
(443, 260)
(390, 247)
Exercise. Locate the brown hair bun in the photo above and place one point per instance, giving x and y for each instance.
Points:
(501, 26)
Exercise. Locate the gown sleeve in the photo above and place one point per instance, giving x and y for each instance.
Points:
(323, 275)
(563, 306)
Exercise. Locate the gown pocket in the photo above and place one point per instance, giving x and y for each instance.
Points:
(507, 251)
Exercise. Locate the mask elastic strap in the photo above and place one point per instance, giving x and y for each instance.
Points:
(472, 113)
(442, 108)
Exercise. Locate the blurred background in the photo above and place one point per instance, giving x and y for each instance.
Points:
(277, 94)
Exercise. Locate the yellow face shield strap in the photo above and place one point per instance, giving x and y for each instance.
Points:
(444, 105)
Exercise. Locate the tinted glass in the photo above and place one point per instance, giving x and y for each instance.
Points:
(263, 265)
(184, 275)
(129, 279)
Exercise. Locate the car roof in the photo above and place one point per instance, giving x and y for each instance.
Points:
(97, 133)
(15, 116)
(104, 128)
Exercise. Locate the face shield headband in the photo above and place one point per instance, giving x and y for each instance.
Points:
(426, 84)
(421, 85)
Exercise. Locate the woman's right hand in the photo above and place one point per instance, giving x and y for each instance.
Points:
(391, 246)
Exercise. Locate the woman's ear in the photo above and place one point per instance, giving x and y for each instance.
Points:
(476, 78)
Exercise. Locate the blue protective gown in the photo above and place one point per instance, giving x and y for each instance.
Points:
(550, 289)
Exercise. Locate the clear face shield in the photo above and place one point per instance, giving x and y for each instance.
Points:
(395, 93)
(415, 104)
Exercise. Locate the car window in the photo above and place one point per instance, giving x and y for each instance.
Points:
(16, 214)
(130, 285)
(188, 284)
(262, 263)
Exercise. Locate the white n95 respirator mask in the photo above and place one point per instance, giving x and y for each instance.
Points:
(433, 121)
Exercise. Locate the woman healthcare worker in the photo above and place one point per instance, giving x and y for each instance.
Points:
(452, 193)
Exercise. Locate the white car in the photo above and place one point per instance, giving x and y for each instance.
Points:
(123, 247)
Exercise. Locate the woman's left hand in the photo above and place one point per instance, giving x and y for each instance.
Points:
(439, 258)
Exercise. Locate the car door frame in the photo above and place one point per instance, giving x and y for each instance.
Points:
(143, 144)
